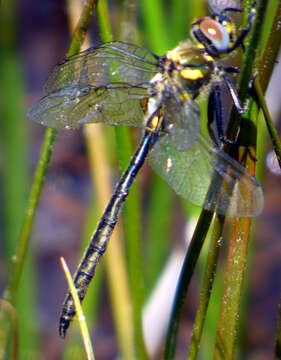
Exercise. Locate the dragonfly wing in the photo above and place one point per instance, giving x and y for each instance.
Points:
(70, 107)
(103, 84)
(107, 64)
(207, 177)
(182, 121)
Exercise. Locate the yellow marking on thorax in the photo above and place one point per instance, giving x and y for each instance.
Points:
(208, 58)
(155, 121)
(192, 74)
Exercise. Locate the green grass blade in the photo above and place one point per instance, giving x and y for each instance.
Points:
(11, 313)
(206, 287)
(115, 263)
(41, 171)
(132, 227)
(104, 22)
(269, 123)
(73, 347)
(157, 231)
(270, 53)
(229, 314)
(23, 242)
(238, 252)
(155, 26)
(190, 261)
(80, 315)
(160, 195)
(11, 290)
(14, 175)
(132, 218)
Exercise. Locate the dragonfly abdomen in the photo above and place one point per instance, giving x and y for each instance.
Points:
(102, 234)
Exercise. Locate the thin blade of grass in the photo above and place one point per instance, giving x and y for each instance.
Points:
(11, 290)
(236, 262)
(101, 177)
(270, 42)
(80, 315)
(132, 213)
(270, 53)
(159, 210)
(73, 347)
(269, 123)
(132, 216)
(238, 251)
(190, 261)
(155, 25)
(157, 232)
(14, 177)
(23, 242)
(130, 302)
(206, 288)
(115, 263)
(181, 24)
(41, 169)
(11, 312)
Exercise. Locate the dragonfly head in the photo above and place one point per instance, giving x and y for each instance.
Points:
(215, 34)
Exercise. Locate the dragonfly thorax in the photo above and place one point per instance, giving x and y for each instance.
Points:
(190, 67)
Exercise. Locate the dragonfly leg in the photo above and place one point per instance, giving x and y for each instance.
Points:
(245, 31)
(215, 115)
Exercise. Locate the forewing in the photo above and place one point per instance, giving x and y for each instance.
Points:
(109, 63)
(207, 177)
(103, 84)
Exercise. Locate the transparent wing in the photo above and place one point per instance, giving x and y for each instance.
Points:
(190, 173)
(68, 108)
(109, 63)
(181, 120)
(104, 84)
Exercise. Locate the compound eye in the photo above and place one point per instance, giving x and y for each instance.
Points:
(216, 33)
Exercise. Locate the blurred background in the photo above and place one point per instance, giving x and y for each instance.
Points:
(34, 37)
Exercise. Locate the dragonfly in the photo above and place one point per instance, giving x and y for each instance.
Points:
(119, 83)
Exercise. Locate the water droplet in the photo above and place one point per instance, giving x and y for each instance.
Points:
(169, 164)
(272, 163)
